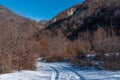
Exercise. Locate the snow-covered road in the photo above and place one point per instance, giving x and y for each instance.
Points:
(60, 71)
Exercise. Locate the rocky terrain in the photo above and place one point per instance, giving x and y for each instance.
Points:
(89, 15)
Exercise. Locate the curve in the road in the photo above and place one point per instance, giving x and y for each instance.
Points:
(72, 70)
(80, 77)
(57, 73)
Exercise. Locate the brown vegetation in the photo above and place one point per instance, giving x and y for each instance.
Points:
(17, 61)
(92, 28)
(16, 43)
(100, 42)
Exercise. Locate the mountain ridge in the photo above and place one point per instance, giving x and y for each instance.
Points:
(92, 12)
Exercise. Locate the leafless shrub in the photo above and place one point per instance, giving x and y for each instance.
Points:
(105, 43)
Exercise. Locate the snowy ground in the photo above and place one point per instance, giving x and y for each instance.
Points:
(60, 71)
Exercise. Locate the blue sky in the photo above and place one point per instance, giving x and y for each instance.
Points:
(38, 9)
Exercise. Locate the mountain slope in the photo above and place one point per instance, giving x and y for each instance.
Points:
(87, 16)
(16, 41)
(92, 27)
(14, 29)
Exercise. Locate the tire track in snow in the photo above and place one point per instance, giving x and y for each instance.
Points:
(72, 70)
(56, 71)
(80, 77)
